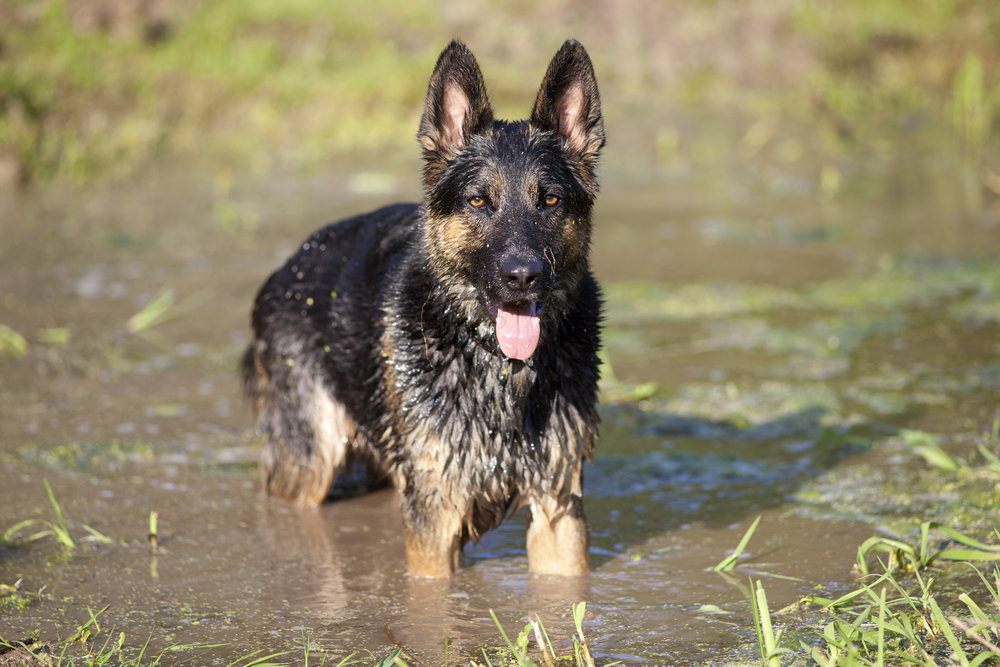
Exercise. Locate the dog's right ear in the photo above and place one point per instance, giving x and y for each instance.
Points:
(456, 105)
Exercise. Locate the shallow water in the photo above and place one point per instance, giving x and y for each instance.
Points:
(757, 329)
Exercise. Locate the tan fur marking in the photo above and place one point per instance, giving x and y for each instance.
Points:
(390, 377)
(572, 243)
(435, 553)
(557, 541)
(308, 482)
(450, 239)
(433, 548)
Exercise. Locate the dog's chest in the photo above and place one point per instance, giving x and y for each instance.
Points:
(492, 409)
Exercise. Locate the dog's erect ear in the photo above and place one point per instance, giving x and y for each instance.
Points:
(456, 105)
(568, 103)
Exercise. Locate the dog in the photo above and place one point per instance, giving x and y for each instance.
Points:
(451, 345)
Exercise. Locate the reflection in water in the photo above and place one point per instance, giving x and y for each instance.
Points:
(350, 553)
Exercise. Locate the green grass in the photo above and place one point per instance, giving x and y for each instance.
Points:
(895, 617)
(728, 563)
(928, 446)
(226, 71)
(56, 529)
(12, 344)
(158, 310)
(250, 79)
(909, 557)
(767, 639)
(12, 597)
(89, 644)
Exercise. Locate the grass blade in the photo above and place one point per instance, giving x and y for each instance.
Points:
(97, 535)
(542, 639)
(156, 312)
(962, 538)
(519, 656)
(62, 534)
(153, 535)
(728, 563)
(894, 547)
(967, 554)
(928, 446)
(579, 610)
(945, 627)
(8, 535)
(12, 343)
(880, 660)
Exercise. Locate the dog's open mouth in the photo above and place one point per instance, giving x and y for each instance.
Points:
(518, 328)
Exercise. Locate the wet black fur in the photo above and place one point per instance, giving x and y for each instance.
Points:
(391, 311)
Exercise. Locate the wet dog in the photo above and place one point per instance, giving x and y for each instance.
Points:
(451, 345)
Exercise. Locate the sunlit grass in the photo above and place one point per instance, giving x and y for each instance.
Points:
(896, 617)
(250, 79)
(729, 563)
(920, 556)
(159, 309)
(56, 529)
(928, 446)
(12, 343)
(518, 649)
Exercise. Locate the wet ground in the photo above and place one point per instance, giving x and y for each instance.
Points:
(767, 337)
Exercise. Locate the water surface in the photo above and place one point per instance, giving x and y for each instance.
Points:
(759, 332)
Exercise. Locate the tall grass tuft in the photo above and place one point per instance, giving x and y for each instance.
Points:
(56, 529)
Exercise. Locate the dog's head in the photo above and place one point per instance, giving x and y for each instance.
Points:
(508, 204)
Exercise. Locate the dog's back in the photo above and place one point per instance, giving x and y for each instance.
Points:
(314, 321)
(453, 345)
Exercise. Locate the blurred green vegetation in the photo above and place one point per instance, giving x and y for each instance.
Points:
(93, 89)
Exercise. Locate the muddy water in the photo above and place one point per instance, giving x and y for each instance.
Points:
(757, 330)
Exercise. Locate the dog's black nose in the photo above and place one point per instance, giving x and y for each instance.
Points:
(520, 274)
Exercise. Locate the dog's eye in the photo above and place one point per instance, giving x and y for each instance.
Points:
(477, 202)
(551, 200)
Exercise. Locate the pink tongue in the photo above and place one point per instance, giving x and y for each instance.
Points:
(517, 330)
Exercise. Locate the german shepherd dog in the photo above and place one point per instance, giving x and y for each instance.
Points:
(451, 345)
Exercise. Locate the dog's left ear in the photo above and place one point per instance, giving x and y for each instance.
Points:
(568, 103)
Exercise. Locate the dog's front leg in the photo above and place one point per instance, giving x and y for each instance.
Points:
(558, 536)
(432, 527)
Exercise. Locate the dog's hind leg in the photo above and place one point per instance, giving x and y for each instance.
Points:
(308, 433)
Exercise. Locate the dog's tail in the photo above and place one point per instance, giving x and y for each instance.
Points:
(253, 378)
